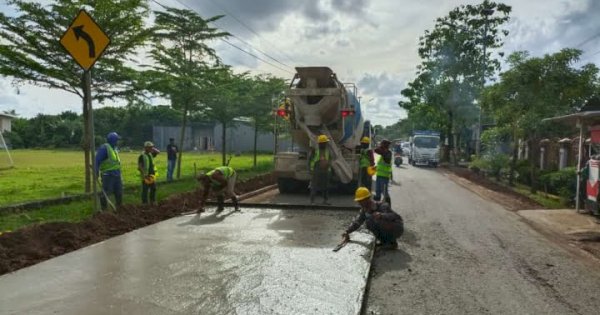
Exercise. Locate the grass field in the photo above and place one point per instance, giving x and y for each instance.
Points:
(42, 174)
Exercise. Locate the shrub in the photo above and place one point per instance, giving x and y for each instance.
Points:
(494, 164)
(562, 183)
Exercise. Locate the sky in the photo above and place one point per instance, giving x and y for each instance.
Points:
(372, 43)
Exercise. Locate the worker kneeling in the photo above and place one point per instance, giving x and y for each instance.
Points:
(384, 223)
(222, 181)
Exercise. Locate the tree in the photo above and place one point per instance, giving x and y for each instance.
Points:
(259, 108)
(183, 61)
(455, 63)
(225, 100)
(537, 88)
(30, 52)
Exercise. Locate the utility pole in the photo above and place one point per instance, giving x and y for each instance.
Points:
(486, 13)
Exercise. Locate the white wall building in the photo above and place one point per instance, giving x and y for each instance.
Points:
(5, 122)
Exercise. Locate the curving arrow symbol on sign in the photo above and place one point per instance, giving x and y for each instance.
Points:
(80, 33)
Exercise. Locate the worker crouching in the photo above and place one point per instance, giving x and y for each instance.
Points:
(380, 219)
(222, 181)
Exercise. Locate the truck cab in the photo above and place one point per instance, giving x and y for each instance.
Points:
(425, 148)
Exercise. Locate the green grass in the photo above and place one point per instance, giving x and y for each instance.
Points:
(43, 174)
(43, 163)
(547, 202)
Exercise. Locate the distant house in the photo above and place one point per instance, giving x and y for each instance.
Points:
(5, 122)
(207, 137)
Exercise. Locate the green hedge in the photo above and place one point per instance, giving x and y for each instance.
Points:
(562, 183)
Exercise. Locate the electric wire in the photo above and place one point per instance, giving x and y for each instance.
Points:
(250, 29)
(241, 40)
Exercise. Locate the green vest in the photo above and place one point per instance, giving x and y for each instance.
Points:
(384, 169)
(112, 162)
(364, 158)
(147, 159)
(316, 158)
(225, 170)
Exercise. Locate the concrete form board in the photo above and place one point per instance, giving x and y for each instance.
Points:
(254, 262)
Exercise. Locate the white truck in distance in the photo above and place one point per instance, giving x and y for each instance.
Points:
(425, 148)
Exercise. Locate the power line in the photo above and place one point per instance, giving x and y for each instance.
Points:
(241, 40)
(255, 56)
(249, 28)
(587, 40)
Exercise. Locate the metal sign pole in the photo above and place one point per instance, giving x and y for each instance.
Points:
(87, 85)
(579, 159)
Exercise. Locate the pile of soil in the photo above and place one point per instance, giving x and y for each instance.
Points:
(503, 195)
(36, 243)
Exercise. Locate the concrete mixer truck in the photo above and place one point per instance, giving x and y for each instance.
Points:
(318, 103)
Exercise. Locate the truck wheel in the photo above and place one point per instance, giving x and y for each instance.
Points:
(286, 185)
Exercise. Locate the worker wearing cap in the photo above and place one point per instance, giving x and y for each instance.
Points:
(366, 163)
(384, 171)
(148, 173)
(108, 168)
(222, 181)
(320, 167)
(380, 219)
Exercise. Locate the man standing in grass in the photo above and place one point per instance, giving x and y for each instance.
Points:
(148, 173)
(171, 158)
(222, 181)
(108, 166)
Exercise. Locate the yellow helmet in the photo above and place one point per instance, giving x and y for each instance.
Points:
(371, 170)
(362, 193)
(322, 139)
(365, 140)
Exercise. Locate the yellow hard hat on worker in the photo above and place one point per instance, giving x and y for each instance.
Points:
(322, 139)
(361, 194)
(365, 140)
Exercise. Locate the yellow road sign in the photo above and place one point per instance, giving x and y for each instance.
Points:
(84, 40)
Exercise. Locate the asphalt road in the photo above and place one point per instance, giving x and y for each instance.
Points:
(462, 254)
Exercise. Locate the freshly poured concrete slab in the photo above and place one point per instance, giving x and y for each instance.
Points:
(254, 262)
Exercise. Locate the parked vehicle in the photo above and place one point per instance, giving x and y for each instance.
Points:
(425, 148)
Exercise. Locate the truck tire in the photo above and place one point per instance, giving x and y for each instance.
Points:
(286, 185)
(291, 186)
(347, 189)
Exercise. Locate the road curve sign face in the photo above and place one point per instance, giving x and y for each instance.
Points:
(84, 40)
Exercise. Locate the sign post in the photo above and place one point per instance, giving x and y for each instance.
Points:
(85, 41)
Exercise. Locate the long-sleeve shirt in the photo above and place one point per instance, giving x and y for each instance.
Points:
(101, 155)
(385, 153)
(387, 214)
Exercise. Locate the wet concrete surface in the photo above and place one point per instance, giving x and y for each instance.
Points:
(462, 254)
(259, 261)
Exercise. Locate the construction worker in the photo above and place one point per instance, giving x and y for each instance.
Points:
(108, 167)
(222, 181)
(380, 219)
(365, 162)
(320, 166)
(171, 158)
(384, 171)
(148, 173)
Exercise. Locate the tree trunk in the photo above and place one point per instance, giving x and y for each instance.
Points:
(86, 146)
(513, 162)
(181, 138)
(255, 141)
(224, 140)
(533, 155)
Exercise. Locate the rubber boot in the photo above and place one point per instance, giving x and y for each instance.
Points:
(220, 203)
(235, 202)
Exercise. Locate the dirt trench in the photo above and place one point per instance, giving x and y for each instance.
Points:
(33, 244)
